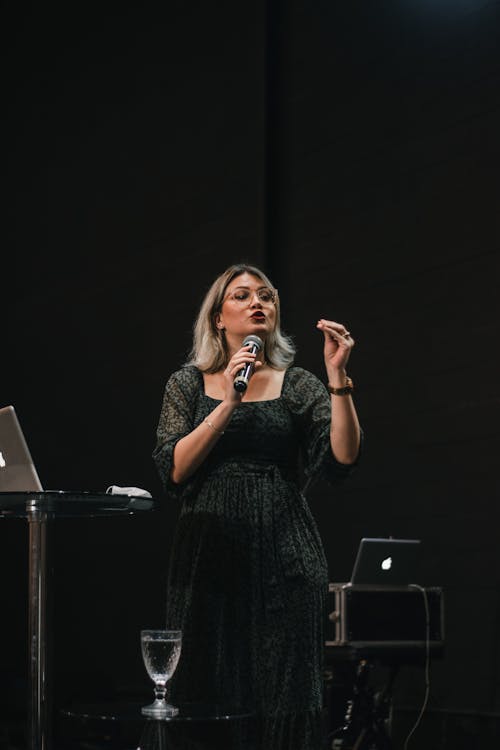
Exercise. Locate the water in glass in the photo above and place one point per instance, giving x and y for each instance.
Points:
(161, 650)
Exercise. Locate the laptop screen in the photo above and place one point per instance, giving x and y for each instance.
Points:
(386, 562)
(17, 471)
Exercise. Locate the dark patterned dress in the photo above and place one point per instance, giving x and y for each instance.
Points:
(248, 577)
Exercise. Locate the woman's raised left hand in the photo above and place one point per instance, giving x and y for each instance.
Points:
(338, 344)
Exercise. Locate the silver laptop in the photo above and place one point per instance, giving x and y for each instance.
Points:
(17, 470)
(386, 562)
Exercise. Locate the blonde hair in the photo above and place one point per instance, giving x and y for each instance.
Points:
(209, 352)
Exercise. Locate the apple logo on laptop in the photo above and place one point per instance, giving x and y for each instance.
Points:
(2, 461)
(387, 563)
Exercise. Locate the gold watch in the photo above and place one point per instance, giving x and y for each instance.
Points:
(344, 391)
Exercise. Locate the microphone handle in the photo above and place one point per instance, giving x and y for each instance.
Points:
(241, 380)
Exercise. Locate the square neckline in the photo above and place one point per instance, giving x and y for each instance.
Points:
(257, 401)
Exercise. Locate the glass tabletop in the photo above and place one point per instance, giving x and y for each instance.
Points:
(131, 711)
(69, 503)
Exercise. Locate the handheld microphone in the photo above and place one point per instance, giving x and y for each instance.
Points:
(241, 380)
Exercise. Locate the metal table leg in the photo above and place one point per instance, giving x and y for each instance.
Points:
(39, 718)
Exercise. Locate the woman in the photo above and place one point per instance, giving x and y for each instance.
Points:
(248, 577)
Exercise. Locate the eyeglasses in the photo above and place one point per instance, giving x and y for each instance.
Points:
(241, 295)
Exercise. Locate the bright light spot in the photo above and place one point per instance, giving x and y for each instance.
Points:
(387, 563)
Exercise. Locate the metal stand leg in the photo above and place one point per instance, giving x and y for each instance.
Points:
(39, 718)
(367, 713)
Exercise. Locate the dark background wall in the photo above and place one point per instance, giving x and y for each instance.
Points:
(349, 149)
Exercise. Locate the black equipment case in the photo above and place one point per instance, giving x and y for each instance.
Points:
(390, 617)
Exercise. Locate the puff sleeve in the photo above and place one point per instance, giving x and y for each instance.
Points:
(309, 401)
(177, 419)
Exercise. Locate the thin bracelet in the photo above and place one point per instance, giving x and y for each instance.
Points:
(209, 423)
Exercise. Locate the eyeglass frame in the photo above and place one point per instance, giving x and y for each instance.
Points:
(274, 295)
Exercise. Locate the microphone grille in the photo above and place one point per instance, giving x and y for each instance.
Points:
(255, 340)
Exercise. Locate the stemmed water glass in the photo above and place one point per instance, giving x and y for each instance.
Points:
(161, 650)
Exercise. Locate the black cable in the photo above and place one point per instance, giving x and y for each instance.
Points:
(427, 662)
